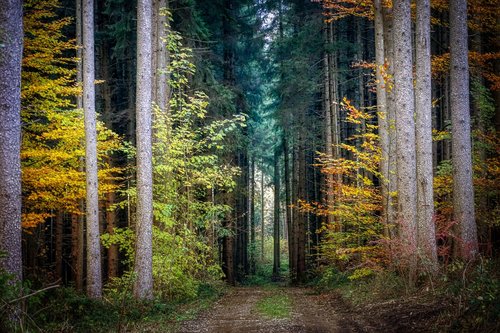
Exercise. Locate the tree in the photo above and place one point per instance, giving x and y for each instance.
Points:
(383, 121)
(94, 276)
(423, 107)
(463, 190)
(11, 52)
(276, 226)
(143, 288)
(405, 127)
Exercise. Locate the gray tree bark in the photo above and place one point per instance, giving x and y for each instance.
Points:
(276, 227)
(143, 266)
(77, 221)
(11, 53)
(426, 238)
(162, 57)
(391, 120)
(463, 190)
(94, 277)
(328, 130)
(382, 116)
(405, 127)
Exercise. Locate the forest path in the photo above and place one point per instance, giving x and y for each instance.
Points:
(241, 310)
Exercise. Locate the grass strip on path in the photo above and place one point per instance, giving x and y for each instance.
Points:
(276, 306)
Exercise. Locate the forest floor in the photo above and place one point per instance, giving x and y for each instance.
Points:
(293, 310)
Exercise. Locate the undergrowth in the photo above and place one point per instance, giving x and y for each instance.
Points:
(65, 310)
(466, 294)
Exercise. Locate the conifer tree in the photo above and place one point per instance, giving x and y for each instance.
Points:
(463, 190)
(143, 288)
(94, 276)
(11, 51)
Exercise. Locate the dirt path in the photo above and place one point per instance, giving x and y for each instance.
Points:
(237, 312)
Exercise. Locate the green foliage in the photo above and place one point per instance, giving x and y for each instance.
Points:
(477, 287)
(277, 306)
(187, 170)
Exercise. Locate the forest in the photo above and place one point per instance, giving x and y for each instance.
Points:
(249, 166)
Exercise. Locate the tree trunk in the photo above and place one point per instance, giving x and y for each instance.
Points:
(391, 121)
(262, 213)
(463, 190)
(110, 226)
(288, 203)
(301, 216)
(382, 116)
(161, 56)
(143, 288)
(426, 238)
(77, 241)
(11, 36)
(59, 232)
(94, 279)
(328, 132)
(405, 127)
(276, 228)
(252, 217)
(77, 220)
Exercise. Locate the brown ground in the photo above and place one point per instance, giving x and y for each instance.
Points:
(311, 313)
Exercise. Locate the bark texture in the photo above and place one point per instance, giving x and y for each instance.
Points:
(276, 229)
(463, 190)
(143, 267)
(423, 108)
(405, 127)
(94, 277)
(11, 36)
(382, 115)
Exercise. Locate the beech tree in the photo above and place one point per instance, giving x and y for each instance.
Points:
(143, 287)
(463, 190)
(94, 278)
(11, 52)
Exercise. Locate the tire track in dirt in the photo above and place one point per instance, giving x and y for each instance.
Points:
(236, 312)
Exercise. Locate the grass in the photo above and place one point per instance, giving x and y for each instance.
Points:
(277, 306)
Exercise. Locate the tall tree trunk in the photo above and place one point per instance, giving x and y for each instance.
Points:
(262, 213)
(94, 278)
(328, 130)
(382, 116)
(143, 266)
(426, 238)
(463, 190)
(391, 120)
(405, 127)
(252, 216)
(276, 228)
(77, 220)
(288, 203)
(301, 216)
(11, 35)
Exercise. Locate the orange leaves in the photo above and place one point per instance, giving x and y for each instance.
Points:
(337, 9)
